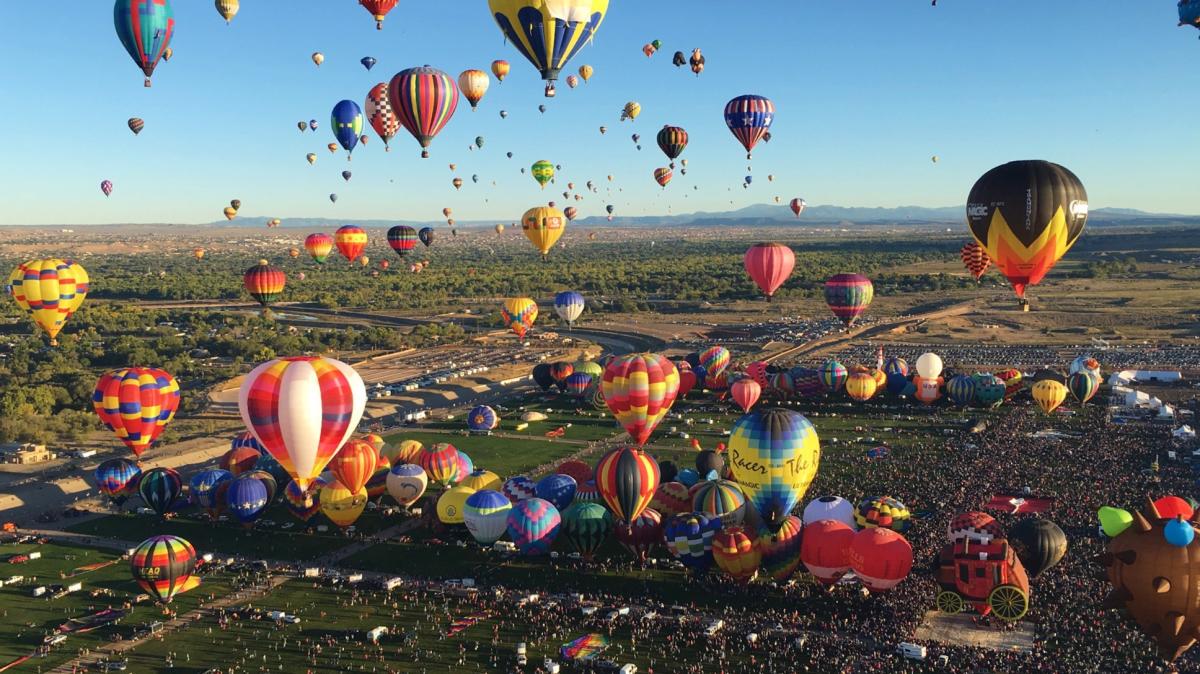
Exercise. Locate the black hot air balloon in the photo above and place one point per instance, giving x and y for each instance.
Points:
(1039, 543)
(1027, 214)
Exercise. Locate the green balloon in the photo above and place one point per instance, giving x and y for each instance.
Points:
(1114, 520)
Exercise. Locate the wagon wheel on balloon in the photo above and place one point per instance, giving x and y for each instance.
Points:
(1009, 602)
(949, 602)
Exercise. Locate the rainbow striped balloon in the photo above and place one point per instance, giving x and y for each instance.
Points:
(781, 549)
(423, 100)
(722, 499)
(440, 462)
(136, 404)
(163, 567)
(302, 410)
(640, 389)
(848, 296)
(627, 479)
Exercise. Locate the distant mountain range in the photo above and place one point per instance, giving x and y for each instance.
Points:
(760, 215)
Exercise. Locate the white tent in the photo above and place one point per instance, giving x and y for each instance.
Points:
(1184, 432)
(1126, 376)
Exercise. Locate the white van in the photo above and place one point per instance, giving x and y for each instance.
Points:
(911, 651)
(714, 627)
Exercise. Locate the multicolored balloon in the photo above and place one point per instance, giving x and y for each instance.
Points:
(533, 524)
(117, 479)
(424, 100)
(774, 456)
(302, 410)
(549, 34)
(51, 290)
(749, 118)
(160, 488)
(689, 537)
(351, 240)
(163, 566)
(519, 314)
(627, 479)
(346, 121)
(264, 283)
(848, 296)
(639, 390)
(136, 404)
(485, 513)
(543, 226)
(145, 28)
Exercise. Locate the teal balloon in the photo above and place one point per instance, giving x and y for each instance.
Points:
(145, 29)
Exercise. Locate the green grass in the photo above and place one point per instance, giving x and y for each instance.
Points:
(224, 537)
(501, 455)
(24, 620)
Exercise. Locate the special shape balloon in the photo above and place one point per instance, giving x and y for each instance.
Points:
(1027, 215)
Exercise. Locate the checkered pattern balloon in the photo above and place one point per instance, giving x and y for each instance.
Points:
(774, 456)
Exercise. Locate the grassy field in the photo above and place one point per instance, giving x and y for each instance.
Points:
(25, 620)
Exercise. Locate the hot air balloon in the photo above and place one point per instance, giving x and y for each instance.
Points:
(318, 246)
(227, 9)
(51, 290)
(881, 558)
(627, 479)
(640, 389)
(246, 497)
(860, 386)
(961, 390)
(311, 157)
(1049, 394)
(207, 490)
(500, 69)
(333, 198)
(163, 566)
(975, 259)
(586, 526)
(631, 111)
(697, 61)
(543, 226)
(354, 464)
(440, 462)
(424, 100)
(663, 175)
(106, 186)
(482, 419)
(848, 296)
(378, 9)
(241, 458)
(688, 536)
(117, 479)
(457, 182)
(769, 266)
(426, 235)
(781, 550)
(825, 549)
(136, 404)
(1027, 215)
(302, 410)
(558, 489)
(533, 524)
(485, 513)
(402, 239)
(745, 393)
(883, 511)
(380, 114)
(672, 140)
(473, 84)
(714, 360)
(1039, 543)
(136, 125)
(571, 212)
(264, 283)
(749, 118)
(159, 489)
(736, 553)
(1189, 13)
(642, 534)
(797, 205)
(719, 498)
(145, 28)
(519, 314)
(542, 171)
(406, 483)
(549, 34)
(1083, 385)
(341, 505)
(304, 503)
(774, 455)
(368, 62)
(351, 241)
(347, 123)
(318, 58)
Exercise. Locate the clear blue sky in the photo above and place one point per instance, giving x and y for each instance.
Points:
(865, 93)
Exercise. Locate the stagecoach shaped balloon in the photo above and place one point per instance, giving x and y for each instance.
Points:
(302, 410)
